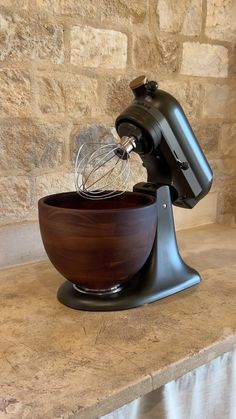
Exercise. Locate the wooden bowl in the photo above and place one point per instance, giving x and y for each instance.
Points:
(98, 244)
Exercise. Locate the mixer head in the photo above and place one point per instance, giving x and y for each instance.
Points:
(154, 126)
(166, 144)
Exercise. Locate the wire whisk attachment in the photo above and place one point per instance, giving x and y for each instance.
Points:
(104, 172)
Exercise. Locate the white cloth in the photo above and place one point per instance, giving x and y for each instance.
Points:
(209, 392)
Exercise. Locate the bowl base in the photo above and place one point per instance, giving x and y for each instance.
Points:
(103, 292)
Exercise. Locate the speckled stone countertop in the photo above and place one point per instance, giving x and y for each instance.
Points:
(61, 363)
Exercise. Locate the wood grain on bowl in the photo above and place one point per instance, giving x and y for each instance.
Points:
(98, 244)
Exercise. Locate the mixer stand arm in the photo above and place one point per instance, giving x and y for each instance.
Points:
(165, 272)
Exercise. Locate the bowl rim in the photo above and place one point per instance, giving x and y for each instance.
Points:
(42, 203)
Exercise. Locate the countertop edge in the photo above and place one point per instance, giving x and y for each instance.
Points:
(156, 379)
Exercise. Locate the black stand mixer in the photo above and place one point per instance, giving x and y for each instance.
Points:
(155, 127)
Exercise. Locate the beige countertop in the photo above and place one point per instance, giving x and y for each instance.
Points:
(61, 363)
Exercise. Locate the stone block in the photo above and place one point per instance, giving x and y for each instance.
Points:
(54, 183)
(159, 53)
(224, 168)
(15, 198)
(227, 208)
(222, 184)
(228, 140)
(208, 136)
(30, 248)
(134, 11)
(18, 4)
(91, 47)
(118, 95)
(15, 93)
(188, 94)
(204, 60)
(203, 213)
(31, 145)
(68, 93)
(221, 20)
(219, 101)
(184, 17)
(232, 61)
(30, 38)
(122, 10)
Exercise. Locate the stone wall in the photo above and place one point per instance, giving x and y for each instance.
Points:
(65, 64)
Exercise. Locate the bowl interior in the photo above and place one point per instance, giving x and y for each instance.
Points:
(72, 200)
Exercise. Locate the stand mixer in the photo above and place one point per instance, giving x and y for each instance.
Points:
(154, 126)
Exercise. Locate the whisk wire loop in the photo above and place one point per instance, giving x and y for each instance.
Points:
(102, 173)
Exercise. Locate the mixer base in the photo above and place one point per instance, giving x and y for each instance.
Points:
(129, 297)
(165, 273)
